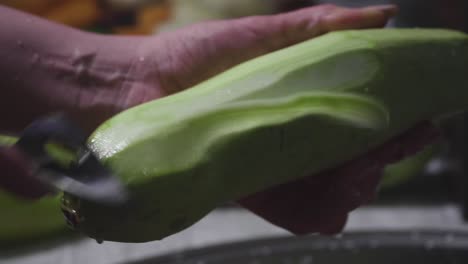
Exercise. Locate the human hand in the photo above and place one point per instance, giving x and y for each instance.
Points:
(171, 62)
(319, 203)
(17, 175)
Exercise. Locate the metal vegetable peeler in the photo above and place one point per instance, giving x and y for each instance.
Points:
(85, 177)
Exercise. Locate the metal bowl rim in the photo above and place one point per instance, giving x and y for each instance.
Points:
(447, 239)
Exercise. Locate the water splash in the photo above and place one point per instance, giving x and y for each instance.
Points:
(430, 244)
(449, 238)
(263, 251)
(374, 243)
(307, 260)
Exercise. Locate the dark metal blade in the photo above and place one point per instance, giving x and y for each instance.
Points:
(87, 178)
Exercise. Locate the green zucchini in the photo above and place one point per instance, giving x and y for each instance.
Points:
(404, 170)
(276, 118)
(23, 221)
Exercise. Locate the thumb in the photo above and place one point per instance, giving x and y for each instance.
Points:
(16, 175)
(201, 51)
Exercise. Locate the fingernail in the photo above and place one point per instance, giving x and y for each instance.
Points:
(368, 17)
(388, 10)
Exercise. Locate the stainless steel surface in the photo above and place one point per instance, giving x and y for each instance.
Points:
(428, 247)
(231, 225)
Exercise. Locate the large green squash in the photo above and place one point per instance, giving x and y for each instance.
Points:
(276, 118)
(25, 221)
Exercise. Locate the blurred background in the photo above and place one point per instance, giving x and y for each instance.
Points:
(426, 192)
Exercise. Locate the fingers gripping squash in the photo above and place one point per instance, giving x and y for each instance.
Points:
(276, 118)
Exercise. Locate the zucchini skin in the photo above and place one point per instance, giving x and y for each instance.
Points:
(276, 118)
(23, 222)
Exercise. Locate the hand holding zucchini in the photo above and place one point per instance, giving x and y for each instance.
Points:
(294, 112)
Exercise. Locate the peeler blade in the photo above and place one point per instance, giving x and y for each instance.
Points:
(86, 177)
